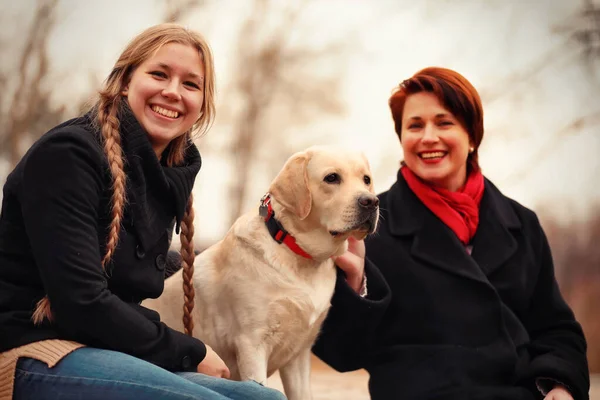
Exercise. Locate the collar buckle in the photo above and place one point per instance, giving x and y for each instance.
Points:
(281, 235)
(264, 210)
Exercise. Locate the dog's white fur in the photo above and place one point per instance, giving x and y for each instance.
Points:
(259, 305)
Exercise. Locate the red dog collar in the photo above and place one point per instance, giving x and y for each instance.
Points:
(276, 230)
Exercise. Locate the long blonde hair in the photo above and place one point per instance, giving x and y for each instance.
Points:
(140, 49)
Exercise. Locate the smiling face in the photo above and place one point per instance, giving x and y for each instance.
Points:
(435, 144)
(166, 93)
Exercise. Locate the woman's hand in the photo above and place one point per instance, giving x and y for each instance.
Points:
(558, 393)
(352, 262)
(212, 365)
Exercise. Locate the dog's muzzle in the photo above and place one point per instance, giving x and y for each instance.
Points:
(369, 212)
(367, 215)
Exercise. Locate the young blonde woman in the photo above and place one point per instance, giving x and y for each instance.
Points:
(87, 218)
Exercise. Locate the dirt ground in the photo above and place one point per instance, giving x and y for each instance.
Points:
(328, 384)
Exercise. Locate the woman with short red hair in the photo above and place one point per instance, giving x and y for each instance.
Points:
(457, 298)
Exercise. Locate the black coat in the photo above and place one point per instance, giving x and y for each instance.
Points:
(53, 229)
(439, 323)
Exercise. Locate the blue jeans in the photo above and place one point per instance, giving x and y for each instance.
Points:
(95, 374)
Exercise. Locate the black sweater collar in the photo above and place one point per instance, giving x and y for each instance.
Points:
(156, 193)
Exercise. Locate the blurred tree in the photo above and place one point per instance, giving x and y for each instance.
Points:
(584, 28)
(580, 33)
(576, 257)
(27, 111)
(278, 86)
(176, 10)
(574, 245)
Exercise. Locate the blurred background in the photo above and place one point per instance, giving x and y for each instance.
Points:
(291, 74)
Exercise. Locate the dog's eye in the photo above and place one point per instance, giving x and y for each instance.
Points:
(367, 180)
(332, 178)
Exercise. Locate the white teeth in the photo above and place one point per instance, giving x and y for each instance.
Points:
(436, 154)
(165, 112)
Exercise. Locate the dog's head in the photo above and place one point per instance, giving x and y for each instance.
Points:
(330, 190)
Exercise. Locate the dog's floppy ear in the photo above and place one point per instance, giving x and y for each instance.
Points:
(290, 186)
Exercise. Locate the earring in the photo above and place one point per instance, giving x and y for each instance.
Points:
(471, 149)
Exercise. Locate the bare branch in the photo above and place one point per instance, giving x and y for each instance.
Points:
(583, 28)
(177, 9)
(514, 82)
(573, 128)
(279, 87)
(30, 101)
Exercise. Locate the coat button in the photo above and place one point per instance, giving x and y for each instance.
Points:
(139, 252)
(186, 363)
(161, 262)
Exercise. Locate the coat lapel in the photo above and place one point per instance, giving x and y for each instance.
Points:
(434, 243)
(494, 243)
(156, 193)
(438, 246)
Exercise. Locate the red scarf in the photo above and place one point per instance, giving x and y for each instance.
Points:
(459, 210)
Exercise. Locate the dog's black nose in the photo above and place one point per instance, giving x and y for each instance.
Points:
(368, 201)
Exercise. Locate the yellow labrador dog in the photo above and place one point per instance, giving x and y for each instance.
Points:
(263, 291)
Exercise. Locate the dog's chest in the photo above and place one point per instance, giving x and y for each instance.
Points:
(301, 309)
(319, 292)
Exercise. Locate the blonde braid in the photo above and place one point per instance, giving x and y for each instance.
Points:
(42, 311)
(187, 257)
(109, 124)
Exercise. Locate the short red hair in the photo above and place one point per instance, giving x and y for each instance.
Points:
(454, 92)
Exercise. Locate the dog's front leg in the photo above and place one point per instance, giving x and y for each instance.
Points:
(295, 377)
(251, 360)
